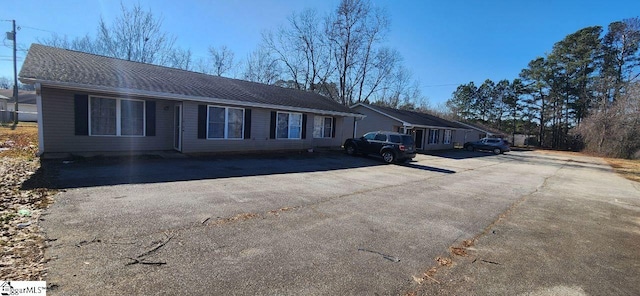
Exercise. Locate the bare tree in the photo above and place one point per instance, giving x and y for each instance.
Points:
(302, 50)
(84, 44)
(615, 132)
(261, 67)
(396, 86)
(177, 58)
(402, 92)
(136, 35)
(202, 65)
(6, 83)
(221, 60)
(354, 32)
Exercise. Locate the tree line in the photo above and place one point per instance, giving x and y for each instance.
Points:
(583, 94)
(341, 54)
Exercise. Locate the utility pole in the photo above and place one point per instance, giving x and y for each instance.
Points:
(12, 36)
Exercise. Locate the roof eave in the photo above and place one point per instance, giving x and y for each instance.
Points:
(438, 126)
(404, 123)
(170, 96)
(474, 127)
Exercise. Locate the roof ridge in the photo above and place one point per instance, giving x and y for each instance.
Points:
(59, 65)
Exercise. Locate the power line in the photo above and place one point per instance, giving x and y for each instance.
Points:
(37, 29)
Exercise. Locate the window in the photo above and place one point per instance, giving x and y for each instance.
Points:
(288, 125)
(381, 137)
(225, 123)
(447, 136)
(322, 127)
(434, 135)
(395, 139)
(369, 136)
(116, 117)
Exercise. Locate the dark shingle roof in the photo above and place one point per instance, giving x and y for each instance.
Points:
(481, 127)
(416, 118)
(44, 63)
(24, 96)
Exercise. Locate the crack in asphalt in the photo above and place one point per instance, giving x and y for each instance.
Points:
(431, 271)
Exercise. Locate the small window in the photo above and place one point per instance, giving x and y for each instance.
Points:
(322, 127)
(407, 140)
(447, 136)
(395, 139)
(434, 136)
(289, 125)
(381, 137)
(370, 136)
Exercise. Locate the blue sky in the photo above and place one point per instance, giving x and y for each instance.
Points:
(443, 43)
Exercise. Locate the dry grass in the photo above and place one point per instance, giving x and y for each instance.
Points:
(21, 141)
(628, 168)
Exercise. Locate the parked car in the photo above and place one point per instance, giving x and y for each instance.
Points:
(495, 145)
(391, 146)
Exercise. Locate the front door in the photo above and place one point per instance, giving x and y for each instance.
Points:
(177, 127)
(419, 138)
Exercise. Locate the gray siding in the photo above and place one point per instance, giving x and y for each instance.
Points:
(259, 141)
(344, 130)
(463, 136)
(374, 122)
(59, 130)
(440, 143)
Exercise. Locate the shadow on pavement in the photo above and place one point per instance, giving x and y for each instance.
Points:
(58, 174)
(457, 154)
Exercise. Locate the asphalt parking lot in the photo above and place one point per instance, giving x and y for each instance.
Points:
(328, 224)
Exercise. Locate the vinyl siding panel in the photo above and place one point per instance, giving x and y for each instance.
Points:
(59, 131)
(374, 122)
(463, 136)
(344, 130)
(259, 140)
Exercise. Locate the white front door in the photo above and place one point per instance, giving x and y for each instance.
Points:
(177, 127)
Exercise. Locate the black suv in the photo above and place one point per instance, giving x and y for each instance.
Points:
(391, 146)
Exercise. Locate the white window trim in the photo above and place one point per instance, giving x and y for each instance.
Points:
(322, 127)
(447, 137)
(119, 117)
(436, 134)
(289, 125)
(226, 123)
